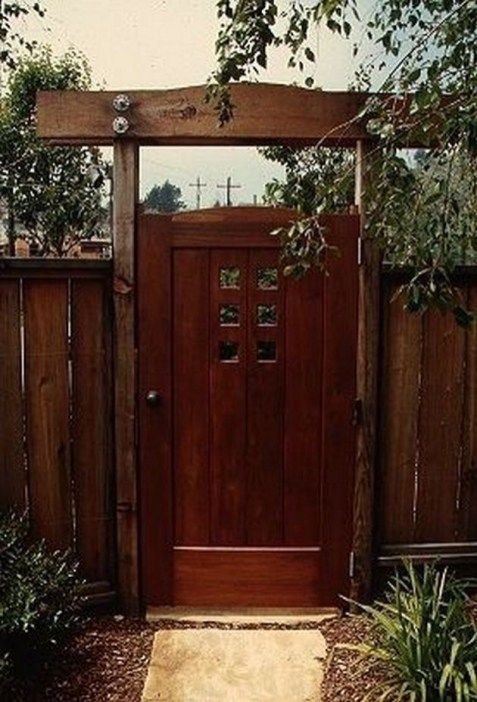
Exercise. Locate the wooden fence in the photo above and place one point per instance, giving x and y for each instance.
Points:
(427, 473)
(56, 408)
(56, 419)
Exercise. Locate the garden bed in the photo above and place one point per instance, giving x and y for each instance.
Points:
(107, 662)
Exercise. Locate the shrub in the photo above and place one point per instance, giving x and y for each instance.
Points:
(39, 597)
(427, 637)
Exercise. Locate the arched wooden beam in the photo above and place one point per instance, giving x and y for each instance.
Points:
(264, 114)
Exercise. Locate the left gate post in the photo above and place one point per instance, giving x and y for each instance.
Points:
(126, 164)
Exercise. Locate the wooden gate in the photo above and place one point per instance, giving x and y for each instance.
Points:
(246, 391)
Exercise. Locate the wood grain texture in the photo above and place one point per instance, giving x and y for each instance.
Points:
(191, 396)
(47, 410)
(264, 113)
(264, 411)
(125, 197)
(467, 523)
(399, 411)
(12, 468)
(228, 397)
(366, 388)
(440, 422)
(155, 427)
(249, 579)
(340, 328)
(92, 429)
(303, 439)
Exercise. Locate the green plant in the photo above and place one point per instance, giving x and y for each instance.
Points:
(426, 636)
(40, 597)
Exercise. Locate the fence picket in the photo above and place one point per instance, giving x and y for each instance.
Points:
(12, 469)
(47, 409)
(91, 429)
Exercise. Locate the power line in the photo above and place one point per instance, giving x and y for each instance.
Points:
(228, 186)
(198, 185)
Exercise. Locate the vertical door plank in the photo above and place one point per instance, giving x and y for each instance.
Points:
(467, 523)
(91, 428)
(339, 390)
(191, 396)
(155, 370)
(12, 469)
(440, 423)
(303, 410)
(401, 366)
(227, 406)
(47, 408)
(264, 460)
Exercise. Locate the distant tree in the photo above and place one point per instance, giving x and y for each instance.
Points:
(164, 198)
(55, 193)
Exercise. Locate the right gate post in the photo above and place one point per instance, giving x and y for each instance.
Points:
(367, 386)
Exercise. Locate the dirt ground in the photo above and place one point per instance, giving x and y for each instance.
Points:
(107, 662)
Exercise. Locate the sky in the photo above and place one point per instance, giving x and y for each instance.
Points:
(156, 44)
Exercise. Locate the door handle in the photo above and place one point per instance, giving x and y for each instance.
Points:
(153, 398)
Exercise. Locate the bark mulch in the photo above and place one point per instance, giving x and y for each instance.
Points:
(107, 662)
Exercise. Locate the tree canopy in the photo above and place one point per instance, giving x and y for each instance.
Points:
(422, 217)
(164, 198)
(53, 192)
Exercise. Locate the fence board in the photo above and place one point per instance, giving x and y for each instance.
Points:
(467, 524)
(401, 363)
(91, 429)
(440, 422)
(47, 408)
(12, 469)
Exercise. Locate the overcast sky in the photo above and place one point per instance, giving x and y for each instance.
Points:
(133, 44)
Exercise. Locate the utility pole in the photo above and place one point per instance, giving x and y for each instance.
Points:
(198, 185)
(228, 186)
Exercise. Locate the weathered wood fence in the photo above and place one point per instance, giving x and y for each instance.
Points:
(56, 419)
(426, 498)
(56, 408)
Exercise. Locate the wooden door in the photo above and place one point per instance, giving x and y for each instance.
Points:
(247, 447)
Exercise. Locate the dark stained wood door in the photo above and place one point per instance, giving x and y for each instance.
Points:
(247, 457)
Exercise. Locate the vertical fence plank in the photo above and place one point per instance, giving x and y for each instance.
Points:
(400, 370)
(440, 422)
(47, 408)
(12, 469)
(91, 428)
(467, 524)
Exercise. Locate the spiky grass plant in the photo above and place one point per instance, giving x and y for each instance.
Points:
(426, 636)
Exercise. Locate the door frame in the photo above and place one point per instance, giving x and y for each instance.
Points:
(202, 228)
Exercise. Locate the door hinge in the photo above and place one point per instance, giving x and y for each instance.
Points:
(360, 250)
(357, 412)
(351, 564)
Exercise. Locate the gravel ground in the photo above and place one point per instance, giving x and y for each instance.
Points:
(107, 662)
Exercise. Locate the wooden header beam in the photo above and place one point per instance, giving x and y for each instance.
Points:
(264, 114)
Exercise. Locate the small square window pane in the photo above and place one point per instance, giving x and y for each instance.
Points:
(229, 277)
(229, 315)
(267, 278)
(228, 351)
(266, 351)
(266, 315)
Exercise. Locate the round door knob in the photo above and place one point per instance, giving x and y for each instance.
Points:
(153, 398)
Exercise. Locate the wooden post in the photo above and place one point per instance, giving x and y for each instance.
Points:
(126, 156)
(367, 387)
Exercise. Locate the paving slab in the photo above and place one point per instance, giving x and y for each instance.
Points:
(235, 665)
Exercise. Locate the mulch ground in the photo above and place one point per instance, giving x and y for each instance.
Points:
(107, 662)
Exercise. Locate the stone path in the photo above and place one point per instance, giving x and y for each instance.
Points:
(236, 665)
